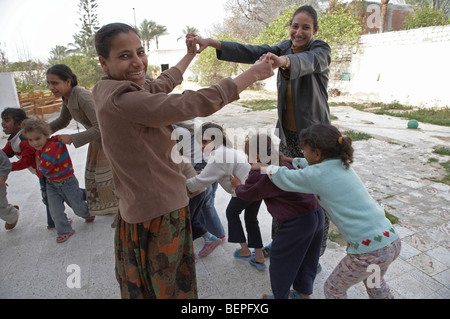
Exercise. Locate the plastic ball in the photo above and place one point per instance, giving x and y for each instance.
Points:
(413, 124)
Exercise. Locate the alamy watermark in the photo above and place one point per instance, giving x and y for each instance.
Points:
(74, 279)
(374, 280)
(188, 148)
(374, 19)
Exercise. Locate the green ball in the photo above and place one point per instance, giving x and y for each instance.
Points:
(413, 124)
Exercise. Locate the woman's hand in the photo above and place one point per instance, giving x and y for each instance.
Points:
(191, 43)
(65, 139)
(263, 67)
(278, 61)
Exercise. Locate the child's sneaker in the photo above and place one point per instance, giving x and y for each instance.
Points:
(211, 242)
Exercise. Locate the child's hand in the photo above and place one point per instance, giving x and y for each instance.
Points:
(284, 158)
(235, 182)
(258, 166)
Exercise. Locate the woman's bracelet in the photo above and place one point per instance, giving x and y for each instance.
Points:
(286, 66)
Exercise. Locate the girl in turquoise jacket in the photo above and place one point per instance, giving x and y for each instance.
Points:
(325, 172)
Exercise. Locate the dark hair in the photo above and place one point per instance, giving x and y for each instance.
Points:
(310, 10)
(64, 73)
(107, 33)
(329, 141)
(264, 147)
(212, 129)
(17, 114)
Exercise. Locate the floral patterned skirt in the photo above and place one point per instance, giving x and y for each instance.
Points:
(100, 191)
(155, 259)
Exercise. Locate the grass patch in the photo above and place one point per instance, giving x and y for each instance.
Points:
(442, 151)
(394, 220)
(357, 136)
(259, 105)
(445, 165)
(437, 116)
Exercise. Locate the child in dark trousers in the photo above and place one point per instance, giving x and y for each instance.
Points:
(295, 250)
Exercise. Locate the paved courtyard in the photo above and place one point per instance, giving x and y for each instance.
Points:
(394, 165)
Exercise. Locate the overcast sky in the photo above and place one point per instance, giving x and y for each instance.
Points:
(29, 29)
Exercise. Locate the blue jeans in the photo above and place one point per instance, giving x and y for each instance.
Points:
(195, 208)
(209, 217)
(69, 192)
(43, 187)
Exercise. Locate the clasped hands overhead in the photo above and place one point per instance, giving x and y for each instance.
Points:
(197, 44)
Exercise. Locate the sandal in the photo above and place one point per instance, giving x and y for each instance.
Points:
(236, 255)
(64, 237)
(258, 265)
(293, 294)
(90, 219)
(268, 296)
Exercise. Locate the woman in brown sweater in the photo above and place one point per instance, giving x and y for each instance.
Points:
(78, 104)
(153, 243)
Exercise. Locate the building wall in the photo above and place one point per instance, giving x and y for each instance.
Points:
(8, 92)
(395, 15)
(409, 66)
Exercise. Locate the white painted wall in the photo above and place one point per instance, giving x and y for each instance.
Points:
(8, 92)
(409, 66)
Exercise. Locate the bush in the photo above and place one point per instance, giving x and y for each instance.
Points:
(425, 17)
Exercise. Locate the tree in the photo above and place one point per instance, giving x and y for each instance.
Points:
(338, 27)
(249, 17)
(341, 30)
(425, 17)
(188, 30)
(87, 69)
(439, 5)
(57, 54)
(147, 32)
(159, 32)
(211, 70)
(4, 64)
(84, 41)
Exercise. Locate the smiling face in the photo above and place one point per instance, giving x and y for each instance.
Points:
(127, 59)
(302, 29)
(36, 139)
(9, 126)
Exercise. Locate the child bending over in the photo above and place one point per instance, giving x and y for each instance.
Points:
(325, 171)
(223, 162)
(296, 247)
